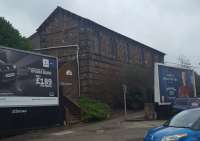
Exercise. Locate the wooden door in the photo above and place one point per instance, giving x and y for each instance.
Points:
(68, 78)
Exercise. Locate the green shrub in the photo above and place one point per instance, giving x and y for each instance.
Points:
(135, 99)
(94, 110)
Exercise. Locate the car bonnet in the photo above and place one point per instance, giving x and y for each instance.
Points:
(160, 132)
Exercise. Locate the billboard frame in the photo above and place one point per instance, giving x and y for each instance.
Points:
(157, 82)
(57, 75)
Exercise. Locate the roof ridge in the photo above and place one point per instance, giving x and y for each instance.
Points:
(88, 20)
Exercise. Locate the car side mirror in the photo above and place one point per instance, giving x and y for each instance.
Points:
(166, 123)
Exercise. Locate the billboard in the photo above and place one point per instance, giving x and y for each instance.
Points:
(172, 82)
(27, 79)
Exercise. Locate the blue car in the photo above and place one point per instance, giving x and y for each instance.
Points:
(181, 104)
(185, 126)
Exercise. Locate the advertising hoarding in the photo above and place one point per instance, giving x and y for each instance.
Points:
(173, 82)
(27, 79)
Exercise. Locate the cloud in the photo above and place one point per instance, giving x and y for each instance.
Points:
(27, 15)
(171, 26)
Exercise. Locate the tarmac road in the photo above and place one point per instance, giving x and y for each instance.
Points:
(111, 130)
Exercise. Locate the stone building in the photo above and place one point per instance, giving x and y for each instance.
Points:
(102, 53)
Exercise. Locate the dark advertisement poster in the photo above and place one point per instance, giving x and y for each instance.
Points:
(27, 79)
(175, 82)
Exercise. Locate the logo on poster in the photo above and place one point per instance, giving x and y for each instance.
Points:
(45, 63)
(69, 72)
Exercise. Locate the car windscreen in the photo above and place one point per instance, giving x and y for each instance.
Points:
(185, 119)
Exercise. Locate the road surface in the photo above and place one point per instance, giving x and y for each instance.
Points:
(111, 130)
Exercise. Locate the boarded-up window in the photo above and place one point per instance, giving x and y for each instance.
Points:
(127, 53)
(96, 47)
(141, 55)
(113, 47)
(148, 58)
(120, 52)
(103, 45)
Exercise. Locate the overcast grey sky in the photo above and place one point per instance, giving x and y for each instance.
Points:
(171, 26)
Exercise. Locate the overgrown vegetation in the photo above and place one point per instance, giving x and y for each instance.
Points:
(94, 110)
(135, 99)
(139, 81)
(9, 36)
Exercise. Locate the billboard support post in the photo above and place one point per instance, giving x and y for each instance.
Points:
(194, 81)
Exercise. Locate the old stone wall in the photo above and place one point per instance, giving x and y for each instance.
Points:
(109, 53)
(103, 53)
